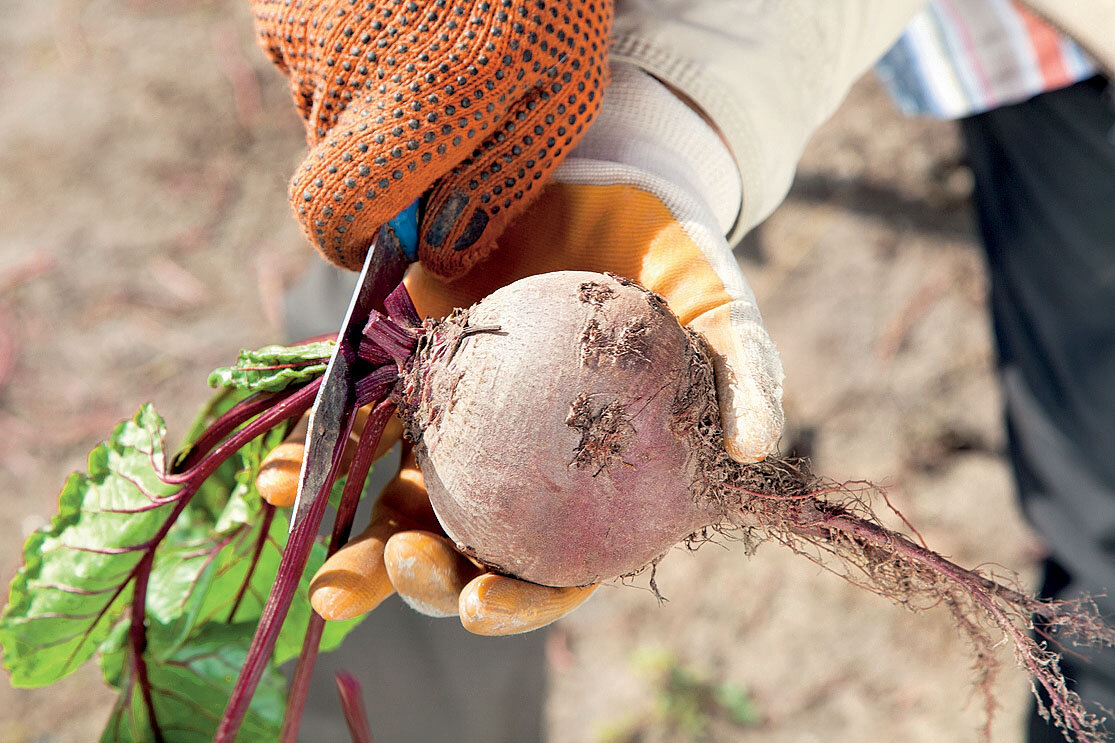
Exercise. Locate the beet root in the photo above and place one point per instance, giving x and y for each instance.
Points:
(582, 383)
(568, 431)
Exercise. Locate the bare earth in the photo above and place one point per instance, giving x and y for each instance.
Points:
(145, 237)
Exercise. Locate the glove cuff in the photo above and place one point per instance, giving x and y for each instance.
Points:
(645, 136)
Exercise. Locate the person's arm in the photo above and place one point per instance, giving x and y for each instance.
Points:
(767, 73)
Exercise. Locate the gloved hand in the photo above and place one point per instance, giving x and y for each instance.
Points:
(648, 194)
(471, 102)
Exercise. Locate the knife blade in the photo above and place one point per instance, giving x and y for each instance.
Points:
(330, 417)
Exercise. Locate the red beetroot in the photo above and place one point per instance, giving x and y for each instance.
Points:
(558, 440)
(568, 432)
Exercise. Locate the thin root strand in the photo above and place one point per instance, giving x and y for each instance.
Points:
(782, 502)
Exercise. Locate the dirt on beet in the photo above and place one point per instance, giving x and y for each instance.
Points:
(145, 147)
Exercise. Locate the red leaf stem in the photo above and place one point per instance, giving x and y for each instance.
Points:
(300, 683)
(372, 353)
(137, 638)
(234, 417)
(342, 528)
(294, 405)
(358, 473)
(291, 365)
(352, 703)
(375, 386)
(291, 567)
(394, 339)
(401, 308)
(137, 632)
(261, 541)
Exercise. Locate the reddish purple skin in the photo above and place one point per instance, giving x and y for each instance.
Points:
(507, 469)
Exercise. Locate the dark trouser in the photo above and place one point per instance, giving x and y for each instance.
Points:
(1045, 197)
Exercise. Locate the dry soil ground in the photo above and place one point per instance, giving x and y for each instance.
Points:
(144, 238)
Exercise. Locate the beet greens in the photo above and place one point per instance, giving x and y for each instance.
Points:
(178, 576)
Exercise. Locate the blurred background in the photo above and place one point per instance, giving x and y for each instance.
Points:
(145, 237)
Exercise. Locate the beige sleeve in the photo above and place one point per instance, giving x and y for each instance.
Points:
(1090, 23)
(766, 72)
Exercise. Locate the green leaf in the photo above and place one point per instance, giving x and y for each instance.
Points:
(231, 574)
(736, 702)
(76, 580)
(195, 583)
(72, 596)
(201, 571)
(273, 368)
(190, 688)
(198, 544)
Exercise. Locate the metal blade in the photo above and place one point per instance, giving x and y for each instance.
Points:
(330, 416)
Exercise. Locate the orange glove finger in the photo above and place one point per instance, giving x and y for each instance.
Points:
(355, 579)
(498, 605)
(395, 94)
(427, 571)
(277, 480)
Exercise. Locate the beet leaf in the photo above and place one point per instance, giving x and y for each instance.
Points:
(189, 688)
(274, 368)
(164, 571)
(76, 579)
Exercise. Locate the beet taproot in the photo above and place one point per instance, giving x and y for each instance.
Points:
(568, 431)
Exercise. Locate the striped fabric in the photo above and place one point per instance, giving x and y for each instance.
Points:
(961, 57)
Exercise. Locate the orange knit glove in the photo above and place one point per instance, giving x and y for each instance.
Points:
(471, 102)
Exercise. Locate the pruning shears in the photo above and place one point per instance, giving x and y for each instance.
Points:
(394, 248)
